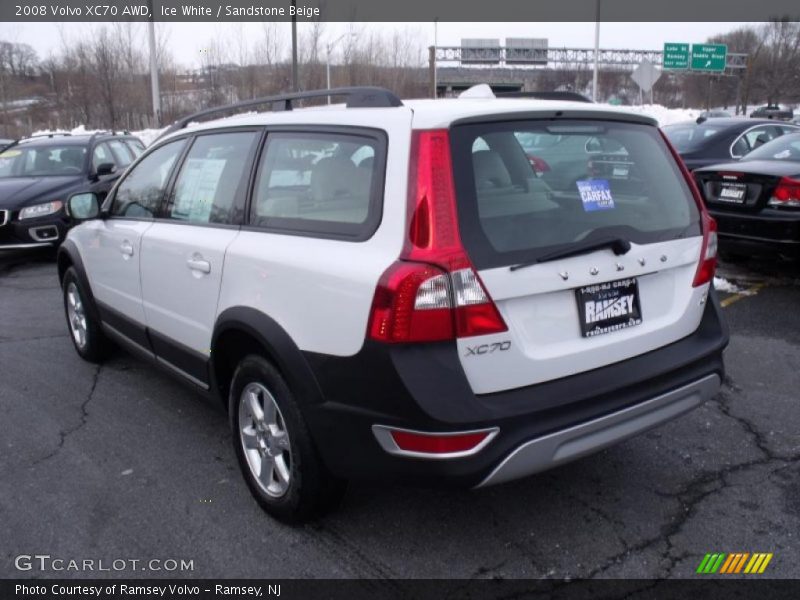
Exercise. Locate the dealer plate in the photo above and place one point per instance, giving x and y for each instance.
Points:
(732, 192)
(609, 306)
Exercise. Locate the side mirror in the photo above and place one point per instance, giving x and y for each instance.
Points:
(83, 206)
(105, 169)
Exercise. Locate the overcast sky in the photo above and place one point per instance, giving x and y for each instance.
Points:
(188, 39)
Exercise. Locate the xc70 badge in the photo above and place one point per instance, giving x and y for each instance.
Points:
(488, 348)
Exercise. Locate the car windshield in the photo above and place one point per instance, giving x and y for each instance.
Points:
(688, 137)
(42, 161)
(786, 147)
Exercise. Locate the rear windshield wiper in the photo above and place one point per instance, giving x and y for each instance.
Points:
(618, 245)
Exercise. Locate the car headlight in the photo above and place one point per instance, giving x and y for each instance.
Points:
(40, 210)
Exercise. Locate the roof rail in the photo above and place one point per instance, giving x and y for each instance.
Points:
(546, 95)
(48, 135)
(357, 97)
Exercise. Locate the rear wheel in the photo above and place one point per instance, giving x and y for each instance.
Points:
(84, 326)
(274, 448)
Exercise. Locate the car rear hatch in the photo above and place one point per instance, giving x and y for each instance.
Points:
(597, 251)
(589, 261)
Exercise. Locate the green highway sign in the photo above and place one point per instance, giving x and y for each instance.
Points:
(676, 56)
(709, 57)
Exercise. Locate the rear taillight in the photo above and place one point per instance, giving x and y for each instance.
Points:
(708, 251)
(539, 164)
(786, 193)
(433, 292)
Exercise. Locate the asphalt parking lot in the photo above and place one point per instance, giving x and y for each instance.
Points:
(123, 462)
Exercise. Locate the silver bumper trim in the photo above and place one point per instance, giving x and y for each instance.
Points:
(26, 246)
(563, 446)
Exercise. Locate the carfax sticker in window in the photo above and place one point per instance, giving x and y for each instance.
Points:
(595, 195)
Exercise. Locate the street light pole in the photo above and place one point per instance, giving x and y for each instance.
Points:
(328, 71)
(596, 51)
(295, 82)
(328, 58)
(435, 45)
(154, 89)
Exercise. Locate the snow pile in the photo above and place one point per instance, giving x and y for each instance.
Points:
(148, 136)
(723, 285)
(662, 114)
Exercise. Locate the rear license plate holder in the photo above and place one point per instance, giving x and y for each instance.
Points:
(732, 192)
(609, 306)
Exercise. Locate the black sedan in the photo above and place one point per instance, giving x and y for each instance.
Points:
(38, 174)
(711, 141)
(756, 200)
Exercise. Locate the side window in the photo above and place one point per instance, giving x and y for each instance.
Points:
(139, 194)
(136, 147)
(212, 179)
(760, 136)
(121, 153)
(325, 183)
(102, 154)
(740, 147)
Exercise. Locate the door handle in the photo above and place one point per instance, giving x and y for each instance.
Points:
(126, 248)
(197, 263)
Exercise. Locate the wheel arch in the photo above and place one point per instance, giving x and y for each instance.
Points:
(242, 330)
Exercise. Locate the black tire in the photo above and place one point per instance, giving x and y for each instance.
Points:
(96, 346)
(311, 490)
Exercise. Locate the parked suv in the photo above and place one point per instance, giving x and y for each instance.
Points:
(387, 289)
(38, 173)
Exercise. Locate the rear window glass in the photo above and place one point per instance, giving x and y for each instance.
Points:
(689, 137)
(528, 188)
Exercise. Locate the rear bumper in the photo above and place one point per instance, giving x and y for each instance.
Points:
(768, 230)
(423, 388)
(566, 445)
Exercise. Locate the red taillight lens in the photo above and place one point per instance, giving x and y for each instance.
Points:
(539, 164)
(395, 316)
(434, 293)
(432, 443)
(786, 193)
(708, 251)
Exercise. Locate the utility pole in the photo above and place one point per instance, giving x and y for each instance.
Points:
(154, 89)
(295, 80)
(435, 45)
(596, 50)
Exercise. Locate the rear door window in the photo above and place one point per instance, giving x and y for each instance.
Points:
(528, 188)
(325, 184)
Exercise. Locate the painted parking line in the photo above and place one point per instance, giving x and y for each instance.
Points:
(751, 291)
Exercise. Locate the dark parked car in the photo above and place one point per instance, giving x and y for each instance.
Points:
(756, 201)
(714, 114)
(37, 175)
(720, 140)
(772, 111)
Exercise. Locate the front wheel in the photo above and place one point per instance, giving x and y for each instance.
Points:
(274, 448)
(84, 327)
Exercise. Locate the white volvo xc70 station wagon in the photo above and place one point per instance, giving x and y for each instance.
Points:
(465, 291)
